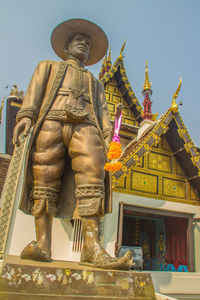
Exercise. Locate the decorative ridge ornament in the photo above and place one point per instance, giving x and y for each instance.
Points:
(1, 108)
(147, 84)
(115, 149)
(106, 65)
(147, 92)
(122, 49)
(174, 106)
(64, 31)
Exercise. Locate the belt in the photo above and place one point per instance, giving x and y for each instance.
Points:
(60, 115)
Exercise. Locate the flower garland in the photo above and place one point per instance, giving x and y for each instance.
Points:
(115, 148)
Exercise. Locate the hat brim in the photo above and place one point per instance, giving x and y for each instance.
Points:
(65, 30)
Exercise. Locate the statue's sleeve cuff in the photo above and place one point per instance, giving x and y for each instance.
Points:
(27, 113)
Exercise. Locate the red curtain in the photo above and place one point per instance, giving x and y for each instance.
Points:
(176, 241)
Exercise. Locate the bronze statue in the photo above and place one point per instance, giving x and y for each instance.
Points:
(64, 172)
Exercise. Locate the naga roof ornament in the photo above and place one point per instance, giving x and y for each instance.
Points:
(174, 105)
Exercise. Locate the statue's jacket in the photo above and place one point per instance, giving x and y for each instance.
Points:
(37, 103)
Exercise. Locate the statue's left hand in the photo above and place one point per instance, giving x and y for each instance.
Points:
(23, 126)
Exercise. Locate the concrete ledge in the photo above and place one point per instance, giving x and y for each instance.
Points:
(164, 297)
(177, 283)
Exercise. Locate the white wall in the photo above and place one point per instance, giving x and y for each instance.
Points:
(24, 232)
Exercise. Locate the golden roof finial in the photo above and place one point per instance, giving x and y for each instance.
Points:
(174, 105)
(122, 49)
(105, 58)
(102, 71)
(177, 91)
(109, 55)
(147, 84)
(1, 108)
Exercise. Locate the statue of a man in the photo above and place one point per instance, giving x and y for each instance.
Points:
(64, 173)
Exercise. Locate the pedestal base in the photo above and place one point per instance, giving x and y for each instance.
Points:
(26, 280)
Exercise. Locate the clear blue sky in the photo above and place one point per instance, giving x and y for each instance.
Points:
(164, 32)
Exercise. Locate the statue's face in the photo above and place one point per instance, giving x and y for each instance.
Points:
(79, 47)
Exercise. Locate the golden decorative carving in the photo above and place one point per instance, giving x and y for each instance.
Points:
(174, 188)
(163, 162)
(183, 131)
(111, 88)
(163, 125)
(144, 182)
(113, 179)
(124, 168)
(122, 183)
(1, 108)
(114, 97)
(15, 93)
(140, 162)
(146, 146)
(160, 162)
(174, 106)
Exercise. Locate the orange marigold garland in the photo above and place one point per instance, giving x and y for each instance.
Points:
(115, 166)
(115, 148)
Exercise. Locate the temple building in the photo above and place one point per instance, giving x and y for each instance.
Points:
(156, 193)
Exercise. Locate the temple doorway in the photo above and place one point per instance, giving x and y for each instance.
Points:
(164, 237)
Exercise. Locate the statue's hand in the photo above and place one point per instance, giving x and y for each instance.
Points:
(23, 126)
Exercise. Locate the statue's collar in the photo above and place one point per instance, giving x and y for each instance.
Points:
(75, 63)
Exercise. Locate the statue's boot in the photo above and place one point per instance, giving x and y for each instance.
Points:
(40, 250)
(93, 254)
(33, 252)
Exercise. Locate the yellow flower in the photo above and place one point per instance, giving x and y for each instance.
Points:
(68, 272)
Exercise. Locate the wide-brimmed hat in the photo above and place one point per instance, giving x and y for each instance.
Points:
(62, 33)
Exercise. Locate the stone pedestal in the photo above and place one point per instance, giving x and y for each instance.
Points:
(27, 280)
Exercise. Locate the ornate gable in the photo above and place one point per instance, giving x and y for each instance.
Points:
(163, 163)
(118, 90)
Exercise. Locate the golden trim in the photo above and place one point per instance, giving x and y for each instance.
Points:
(15, 104)
(146, 146)
(154, 196)
(124, 168)
(113, 179)
(135, 157)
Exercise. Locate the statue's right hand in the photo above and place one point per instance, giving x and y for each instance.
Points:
(23, 126)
